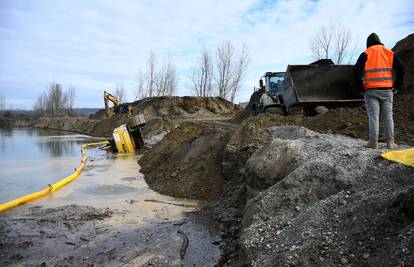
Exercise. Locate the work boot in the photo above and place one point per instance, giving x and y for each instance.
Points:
(372, 144)
(392, 145)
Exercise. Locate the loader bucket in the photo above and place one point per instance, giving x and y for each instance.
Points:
(320, 84)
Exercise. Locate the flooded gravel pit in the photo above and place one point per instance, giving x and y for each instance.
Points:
(107, 216)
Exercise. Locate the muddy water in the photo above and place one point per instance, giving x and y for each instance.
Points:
(145, 227)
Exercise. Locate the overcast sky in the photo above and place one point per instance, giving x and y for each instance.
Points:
(93, 45)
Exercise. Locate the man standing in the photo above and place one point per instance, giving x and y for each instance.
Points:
(374, 73)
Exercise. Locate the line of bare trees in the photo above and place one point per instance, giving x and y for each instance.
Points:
(156, 80)
(55, 101)
(223, 71)
(2, 102)
(333, 41)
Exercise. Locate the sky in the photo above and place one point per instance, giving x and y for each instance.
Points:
(95, 45)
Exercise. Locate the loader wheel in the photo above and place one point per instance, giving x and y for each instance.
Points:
(136, 122)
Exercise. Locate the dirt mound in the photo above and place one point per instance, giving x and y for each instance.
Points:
(405, 50)
(187, 162)
(101, 128)
(347, 121)
(354, 122)
(187, 107)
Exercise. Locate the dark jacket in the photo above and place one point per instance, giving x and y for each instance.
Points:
(397, 67)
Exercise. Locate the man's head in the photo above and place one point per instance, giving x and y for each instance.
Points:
(373, 39)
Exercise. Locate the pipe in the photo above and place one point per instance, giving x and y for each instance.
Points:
(53, 187)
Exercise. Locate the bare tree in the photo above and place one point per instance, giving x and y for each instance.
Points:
(321, 41)
(140, 89)
(332, 41)
(155, 81)
(70, 97)
(342, 43)
(41, 104)
(120, 92)
(151, 74)
(224, 60)
(202, 75)
(239, 71)
(166, 83)
(56, 99)
(2, 102)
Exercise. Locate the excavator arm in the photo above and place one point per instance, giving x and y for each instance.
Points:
(108, 97)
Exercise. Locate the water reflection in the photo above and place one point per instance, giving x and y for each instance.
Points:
(57, 147)
(32, 158)
(5, 133)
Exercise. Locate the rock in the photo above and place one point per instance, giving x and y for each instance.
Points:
(321, 110)
(344, 260)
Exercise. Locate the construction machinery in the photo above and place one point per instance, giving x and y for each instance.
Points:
(118, 107)
(127, 138)
(321, 83)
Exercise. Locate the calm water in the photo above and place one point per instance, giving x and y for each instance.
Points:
(30, 159)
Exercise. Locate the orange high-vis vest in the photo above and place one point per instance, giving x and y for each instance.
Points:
(378, 68)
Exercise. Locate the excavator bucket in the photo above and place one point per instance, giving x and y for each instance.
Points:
(319, 84)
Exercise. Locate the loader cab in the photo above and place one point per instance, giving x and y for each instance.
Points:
(273, 82)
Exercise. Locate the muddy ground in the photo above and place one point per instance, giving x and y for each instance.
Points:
(87, 236)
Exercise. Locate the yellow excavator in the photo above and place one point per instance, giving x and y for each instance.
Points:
(118, 107)
(127, 138)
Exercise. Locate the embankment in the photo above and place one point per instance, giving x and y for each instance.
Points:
(161, 113)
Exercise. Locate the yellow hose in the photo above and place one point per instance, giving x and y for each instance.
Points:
(53, 187)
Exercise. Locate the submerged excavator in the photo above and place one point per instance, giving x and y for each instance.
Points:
(126, 138)
(118, 107)
(321, 83)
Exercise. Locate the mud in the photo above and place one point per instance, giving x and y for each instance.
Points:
(190, 156)
(83, 235)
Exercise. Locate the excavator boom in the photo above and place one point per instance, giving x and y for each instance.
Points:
(108, 97)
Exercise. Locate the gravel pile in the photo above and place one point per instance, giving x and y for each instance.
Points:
(326, 200)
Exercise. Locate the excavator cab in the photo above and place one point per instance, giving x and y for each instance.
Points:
(127, 138)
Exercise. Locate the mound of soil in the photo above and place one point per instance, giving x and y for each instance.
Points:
(187, 162)
(352, 122)
(405, 50)
(161, 114)
(187, 107)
